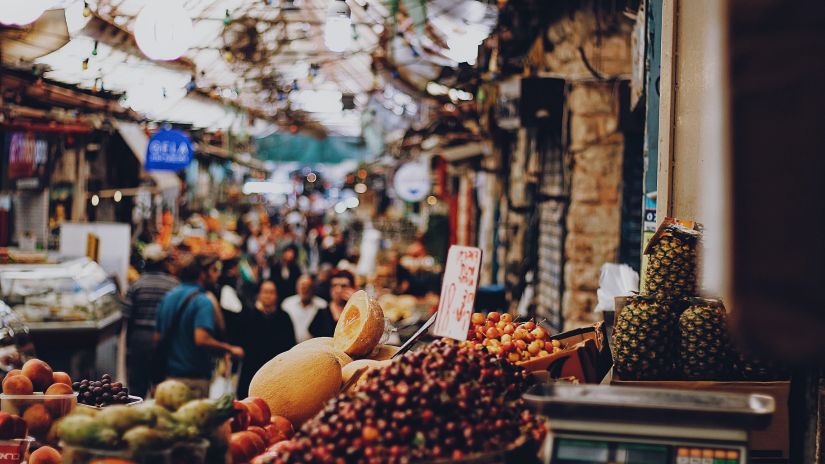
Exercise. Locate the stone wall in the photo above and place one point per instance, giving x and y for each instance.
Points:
(594, 216)
(595, 146)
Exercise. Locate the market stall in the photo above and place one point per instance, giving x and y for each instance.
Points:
(72, 310)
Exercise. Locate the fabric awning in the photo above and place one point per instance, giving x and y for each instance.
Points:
(138, 142)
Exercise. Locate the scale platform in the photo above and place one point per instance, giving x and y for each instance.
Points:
(600, 424)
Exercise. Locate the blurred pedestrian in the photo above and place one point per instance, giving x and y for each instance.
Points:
(267, 332)
(187, 328)
(309, 313)
(139, 309)
(285, 272)
(342, 286)
(322, 282)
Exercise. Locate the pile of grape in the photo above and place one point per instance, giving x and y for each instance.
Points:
(443, 402)
(101, 392)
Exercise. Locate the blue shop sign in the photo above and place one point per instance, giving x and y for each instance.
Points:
(169, 150)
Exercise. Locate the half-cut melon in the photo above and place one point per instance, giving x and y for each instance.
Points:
(360, 326)
(384, 352)
(356, 366)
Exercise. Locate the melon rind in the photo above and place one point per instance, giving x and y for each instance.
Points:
(323, 344)
(297, 384)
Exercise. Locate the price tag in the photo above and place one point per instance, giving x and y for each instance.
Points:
(458, 293)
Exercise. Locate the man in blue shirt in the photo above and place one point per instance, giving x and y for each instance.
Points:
(194, 343)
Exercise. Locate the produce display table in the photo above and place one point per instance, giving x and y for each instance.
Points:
(80, 348)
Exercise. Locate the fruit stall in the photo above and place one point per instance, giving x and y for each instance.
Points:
(666, 387)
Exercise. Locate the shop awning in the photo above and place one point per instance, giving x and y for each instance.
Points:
(138, 141)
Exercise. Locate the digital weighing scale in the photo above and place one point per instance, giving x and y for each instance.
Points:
(600, 424)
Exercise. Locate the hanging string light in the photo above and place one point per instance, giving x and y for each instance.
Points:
(85, 64)
(227, 19)
(338, 27)
(87, 10)
(94, 50)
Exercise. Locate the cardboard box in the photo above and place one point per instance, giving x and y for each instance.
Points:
(771, 443)
(586, 357)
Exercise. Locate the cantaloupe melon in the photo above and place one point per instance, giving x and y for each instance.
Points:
(323, 344)
(384, 352)
(360, 326)
(297, 384)
(355, 366)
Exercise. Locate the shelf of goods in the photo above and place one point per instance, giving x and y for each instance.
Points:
(72, 311)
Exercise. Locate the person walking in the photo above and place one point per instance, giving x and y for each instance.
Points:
(139, 309)
(186, 325)
(267, 332)
(309, 313)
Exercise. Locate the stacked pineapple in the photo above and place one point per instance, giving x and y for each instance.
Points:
(668, 333)
(643, 340)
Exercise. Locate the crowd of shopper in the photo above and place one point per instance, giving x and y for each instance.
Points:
(284, 285)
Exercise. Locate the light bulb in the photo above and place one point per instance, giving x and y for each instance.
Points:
(23, 12)
(118, 196)
(338, 27)
(163, 30)
(95, 200)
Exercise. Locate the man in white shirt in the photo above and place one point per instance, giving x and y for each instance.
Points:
(306, 310)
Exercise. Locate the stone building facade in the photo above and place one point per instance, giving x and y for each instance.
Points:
(593, 54)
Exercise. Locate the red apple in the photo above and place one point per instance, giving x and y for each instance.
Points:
(259, 431)
(284, 426)
(240, 421)
(243, 446)
(262, 415)
(493, 316)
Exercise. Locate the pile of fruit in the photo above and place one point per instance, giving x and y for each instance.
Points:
(667, 333)
(298, 383)
(442, 402)
(54, 398)
(687, 339)
(172, 418)
(517, 341)
(101, 392)
(254, 430)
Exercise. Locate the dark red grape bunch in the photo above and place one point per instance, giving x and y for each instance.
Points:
(101, 392)
(444, 402)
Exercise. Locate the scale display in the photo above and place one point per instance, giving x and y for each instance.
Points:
(583, 451)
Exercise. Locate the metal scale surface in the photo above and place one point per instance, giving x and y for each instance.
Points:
(600, 424)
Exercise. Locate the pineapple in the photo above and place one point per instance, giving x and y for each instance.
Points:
(644, 338)
(704, 344)
(671, 263)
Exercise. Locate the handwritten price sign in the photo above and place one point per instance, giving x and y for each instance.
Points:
(458, 293)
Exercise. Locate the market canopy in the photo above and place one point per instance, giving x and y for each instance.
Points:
(280, 147)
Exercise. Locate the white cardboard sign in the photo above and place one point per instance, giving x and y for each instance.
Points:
(458, 293)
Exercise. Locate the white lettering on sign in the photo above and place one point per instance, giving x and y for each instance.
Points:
(458, 293)
(168, 152)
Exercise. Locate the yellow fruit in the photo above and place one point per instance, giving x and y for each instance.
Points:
(323, 344)
(296, 384)
(360, 326)
(355, 366)
(385, 352)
